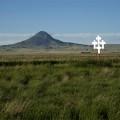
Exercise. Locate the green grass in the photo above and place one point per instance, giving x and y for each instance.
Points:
(56, 89)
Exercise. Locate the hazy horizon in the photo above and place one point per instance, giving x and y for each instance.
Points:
(80, 38)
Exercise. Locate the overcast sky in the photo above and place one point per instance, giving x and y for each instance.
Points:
(78, 21)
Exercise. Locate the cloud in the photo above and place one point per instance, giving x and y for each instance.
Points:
(86, 38)
(6, 42)
(7, 38)
(111, 34)
(85, 35)
(74, 35)
(82, 35)
(82, 38)
(14, 35)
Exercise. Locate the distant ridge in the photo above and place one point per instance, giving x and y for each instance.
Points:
(42, 40)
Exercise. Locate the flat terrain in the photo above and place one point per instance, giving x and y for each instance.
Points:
(60, 87)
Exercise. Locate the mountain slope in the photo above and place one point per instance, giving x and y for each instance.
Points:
(42, 40)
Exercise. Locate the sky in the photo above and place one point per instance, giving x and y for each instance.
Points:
(78, 21)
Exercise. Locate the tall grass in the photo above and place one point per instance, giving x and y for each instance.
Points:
(60, 90)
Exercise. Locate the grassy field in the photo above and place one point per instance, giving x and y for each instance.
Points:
(60, 87)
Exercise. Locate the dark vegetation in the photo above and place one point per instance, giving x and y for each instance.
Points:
(59, 87)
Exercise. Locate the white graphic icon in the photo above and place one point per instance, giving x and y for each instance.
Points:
(98, 44)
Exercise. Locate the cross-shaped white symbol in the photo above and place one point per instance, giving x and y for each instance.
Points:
(97, 44)
(102, 43)
(94, 43)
